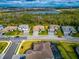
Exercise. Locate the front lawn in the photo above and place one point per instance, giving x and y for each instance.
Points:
(75, 34)
(45, 32)
(59, 33)
(31, 30)
(13, 33)
(26, 45)
(3, 46)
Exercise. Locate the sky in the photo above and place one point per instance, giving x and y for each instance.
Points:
(34, 3)
(37, 0)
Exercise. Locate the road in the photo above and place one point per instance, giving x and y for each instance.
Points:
(16, 42)
(11, 51)
(48, 37)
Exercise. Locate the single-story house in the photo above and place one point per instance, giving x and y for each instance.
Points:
(38, 28)
(52, 28)
(9, 28)
(77, 50)
(78, 28)
(24, 28)
(68, 30)
(1, 27)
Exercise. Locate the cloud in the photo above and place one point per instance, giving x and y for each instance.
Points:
(44, 3)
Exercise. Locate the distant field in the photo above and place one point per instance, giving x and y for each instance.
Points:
(66, 17)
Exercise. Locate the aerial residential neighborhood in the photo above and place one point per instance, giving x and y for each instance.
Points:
(39, 29)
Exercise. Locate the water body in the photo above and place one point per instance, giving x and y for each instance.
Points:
(43, 12)
(39, 3)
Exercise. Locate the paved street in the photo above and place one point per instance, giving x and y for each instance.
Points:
(48, 37)
(10, 51)
(16, 41)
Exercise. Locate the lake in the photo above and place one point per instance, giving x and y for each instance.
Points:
(43, 12)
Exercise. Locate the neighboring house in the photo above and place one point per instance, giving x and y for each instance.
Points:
(1, 27)
(37, 29)
(78, 28)
(9, 28)
(77, 50)
(24, 28)
(53, 28)
(68, 30)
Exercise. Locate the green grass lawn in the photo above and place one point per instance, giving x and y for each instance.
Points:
(26, 45)
(13, 33)
(45, 32)
(68, 47)
(31, 30)
(75, 34)
(3, 46)
(59, 33)
(63, 52)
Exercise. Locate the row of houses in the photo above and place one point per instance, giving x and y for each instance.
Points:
(23, 28)
(67, 30)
